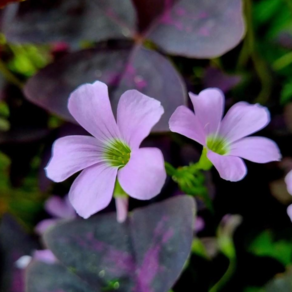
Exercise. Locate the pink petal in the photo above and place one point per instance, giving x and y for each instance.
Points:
(256, 149)
(289, 211)
(93, 189)
(242, 120)
(60, 208)
(89, 104)
(136, 115)
(45, 256)
(209, 106)
(43, 225)
(229, 167)
(288, 181)
(144, 175)
(122, 208)
(72, 154)
(184, 122)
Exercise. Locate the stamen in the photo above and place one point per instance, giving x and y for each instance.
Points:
(117, 153)
(217, 144)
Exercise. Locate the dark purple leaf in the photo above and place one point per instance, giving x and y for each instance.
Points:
(144, 254)
(14, 243)
(214, 77)
(69, 20)
(201, 28)
(149, 10)
(144, 70)
(43, 277)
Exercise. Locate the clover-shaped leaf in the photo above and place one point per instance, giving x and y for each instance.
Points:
(146, 253)
(143, 69)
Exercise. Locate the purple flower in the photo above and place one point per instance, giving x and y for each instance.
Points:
(288, 181)
(225, 139)
(112, 153)
(289, 212)
(59, 209)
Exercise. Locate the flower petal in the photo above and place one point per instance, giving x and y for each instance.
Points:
(242, 120)
(144, 175)
(288, 181)
(93, 189)
(289, 212)
(209, 106)
(229, 167)
(90, 106)
(256, 149)
(136, 115)
(72, 154)
(44, 225)
(60, 208)
(184, 122)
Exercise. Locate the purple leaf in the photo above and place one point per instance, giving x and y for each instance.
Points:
(201, 28)
(70, 21)
(43, 277)
(144, 254)
(120, 69)
(149, 10)
(216, 78)
(11, 235)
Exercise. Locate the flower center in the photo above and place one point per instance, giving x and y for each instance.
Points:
(217, 145)
(117, 153)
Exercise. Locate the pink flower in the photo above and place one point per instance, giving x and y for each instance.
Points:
(59, 209)
(225, 139)
(288, 181)
(112, 153)
(289, 211)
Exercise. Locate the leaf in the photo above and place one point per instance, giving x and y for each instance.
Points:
(146, 253)
(119, 69)
(199, 29)
(40, 275)
(214, 77)
(14, 243)
(265, 245)
(43, 21)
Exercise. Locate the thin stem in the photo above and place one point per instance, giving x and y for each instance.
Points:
(228, 274)
(283, 62)
(249, 51)
(10, 77)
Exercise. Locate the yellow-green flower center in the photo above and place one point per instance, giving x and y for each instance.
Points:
(217, 144)
(117, 153)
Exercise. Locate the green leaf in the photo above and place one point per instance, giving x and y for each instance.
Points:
(266, 245)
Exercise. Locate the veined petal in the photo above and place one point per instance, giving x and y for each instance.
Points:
(90, 106)
(93, 189)
(136, 115)
(209, 106)
(72, 154)
(256, 149)
(288, 181)
(243, 119)
(229, 167)
(144, 175)
(184, 122)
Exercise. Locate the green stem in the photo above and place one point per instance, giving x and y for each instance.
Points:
(249, 51)
(228, 274)
(10, 77)
(283, 62)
